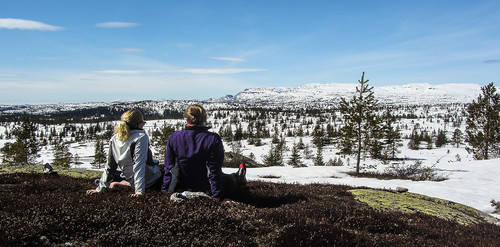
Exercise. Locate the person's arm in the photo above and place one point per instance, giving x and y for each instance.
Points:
(110, 169)
(214, 165)
(140, 158)
(106, 177)
(168, 165)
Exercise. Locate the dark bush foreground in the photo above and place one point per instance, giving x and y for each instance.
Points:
(37, 209)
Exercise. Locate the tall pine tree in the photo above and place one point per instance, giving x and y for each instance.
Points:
(361, 120)
(483, 124)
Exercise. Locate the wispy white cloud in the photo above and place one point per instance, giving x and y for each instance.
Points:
(74, 86)
(131, 50)
(10, 23)
(217, 71)
(223, 71)
(129, 72)
(116, 24)
(232, 59)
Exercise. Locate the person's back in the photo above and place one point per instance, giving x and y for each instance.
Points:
(197, 153)
(194, 158)
(127, 164)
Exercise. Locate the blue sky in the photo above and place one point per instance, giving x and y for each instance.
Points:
(80, 51)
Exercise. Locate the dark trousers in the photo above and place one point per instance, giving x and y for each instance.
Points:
(231, 184)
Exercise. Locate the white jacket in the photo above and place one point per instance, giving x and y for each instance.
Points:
(132, 168)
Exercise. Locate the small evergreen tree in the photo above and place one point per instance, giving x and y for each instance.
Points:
(226, 133)
(25, 149)
(361, 121)
(391, 135)
(441, 139)
(300, 144)
(295, 157)
(274, 157)
(483, 124)
(76, 159)
(318, 160)
(318, 136)
(335, 162)
(456, 140)
(62, 155)
(414, 143)
(160, 139)
(99, 154)
(238, 134)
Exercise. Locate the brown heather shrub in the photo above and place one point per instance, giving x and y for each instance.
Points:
(37, 209)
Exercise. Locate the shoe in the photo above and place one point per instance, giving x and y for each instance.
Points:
(242, 172)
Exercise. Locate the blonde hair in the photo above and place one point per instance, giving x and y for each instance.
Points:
(195, 114)
(130, 118)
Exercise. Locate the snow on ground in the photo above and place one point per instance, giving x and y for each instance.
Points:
(472, 183)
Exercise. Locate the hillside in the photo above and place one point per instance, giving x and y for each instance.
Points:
(412, 94)
(48, 210)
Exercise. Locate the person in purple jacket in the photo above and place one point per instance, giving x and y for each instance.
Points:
(194, 157)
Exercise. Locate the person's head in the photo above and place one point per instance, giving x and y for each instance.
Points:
(131, 119)
(195, 115)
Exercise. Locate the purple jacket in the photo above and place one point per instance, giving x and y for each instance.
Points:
(193, 161)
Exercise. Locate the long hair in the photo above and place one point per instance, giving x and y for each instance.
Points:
(130, 119)
(196, 115)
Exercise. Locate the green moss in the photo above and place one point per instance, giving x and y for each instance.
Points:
(72, 172)
(416, 203)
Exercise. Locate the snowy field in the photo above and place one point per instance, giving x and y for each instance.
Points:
(470, 182)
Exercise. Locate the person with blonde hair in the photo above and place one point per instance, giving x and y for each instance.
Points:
(130, 162)
(194, 157)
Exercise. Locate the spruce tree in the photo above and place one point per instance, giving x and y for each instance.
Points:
(295, 157)
(483, 124)
(456, 139)
(361, 121)
(441, 139)
(391, 135)
(25, 149)
(160, 139)
(318, 136)
(414, 143)
(274, 157)
(318, 160)
(62, 155)
(76, 159)
(99, 154)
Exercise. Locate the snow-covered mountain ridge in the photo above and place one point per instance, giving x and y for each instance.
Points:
(314, 95)
(421, 93)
